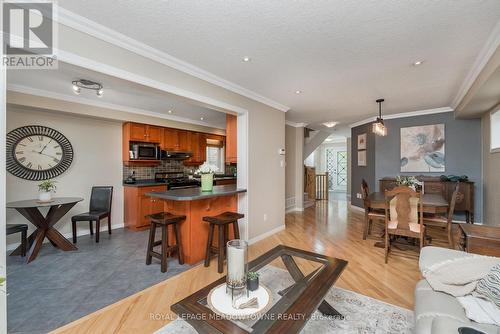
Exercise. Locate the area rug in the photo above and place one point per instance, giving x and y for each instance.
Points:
(362, 314)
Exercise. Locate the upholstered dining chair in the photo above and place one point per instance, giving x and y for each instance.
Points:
(370, 214)
(447, 220)
(100, 207)
(19, 228)
(403, 216)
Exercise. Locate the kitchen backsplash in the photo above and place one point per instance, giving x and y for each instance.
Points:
(148, 173)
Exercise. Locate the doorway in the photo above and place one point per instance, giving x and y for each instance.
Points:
(336, 166)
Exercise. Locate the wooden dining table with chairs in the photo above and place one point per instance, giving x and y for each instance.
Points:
(433, 209)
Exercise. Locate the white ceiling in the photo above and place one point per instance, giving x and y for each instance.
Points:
(342, 55)
(118, 93)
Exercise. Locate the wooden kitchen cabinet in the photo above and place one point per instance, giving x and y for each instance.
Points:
(154, 134)
(231, 139)
(138, 205)
(175, 140)
(142, 132)
(198, 146)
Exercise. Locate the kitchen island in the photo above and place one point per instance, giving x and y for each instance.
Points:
(196, 204)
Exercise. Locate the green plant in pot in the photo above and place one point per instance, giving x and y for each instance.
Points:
(206, 171)
(252, 280)
(45, 190)
(407, 181)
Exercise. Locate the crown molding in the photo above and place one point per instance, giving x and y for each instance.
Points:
(491, 45)
(99, 31)
(296, 125)
(100, 104)
(404, 114)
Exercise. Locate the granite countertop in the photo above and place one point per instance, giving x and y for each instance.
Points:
(144, 183)
(192, 194)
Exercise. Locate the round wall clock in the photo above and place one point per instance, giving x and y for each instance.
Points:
(36, 152)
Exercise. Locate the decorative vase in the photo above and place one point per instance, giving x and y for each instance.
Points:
(45, 196)
(207, 182)
(237, 267)
(253, 284)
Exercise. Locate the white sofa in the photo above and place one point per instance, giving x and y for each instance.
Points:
(438, 312)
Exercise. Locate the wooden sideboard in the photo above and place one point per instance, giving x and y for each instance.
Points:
(434, 185)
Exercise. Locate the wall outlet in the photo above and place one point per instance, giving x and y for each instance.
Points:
(265, 217)
(358, 195)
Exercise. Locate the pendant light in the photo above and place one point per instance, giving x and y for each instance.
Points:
(378, 127)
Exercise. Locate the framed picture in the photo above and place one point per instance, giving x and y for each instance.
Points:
(422, 148)
(362, 158)
(362, 141)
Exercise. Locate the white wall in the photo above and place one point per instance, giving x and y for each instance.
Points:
(294, 171)
(97, 160)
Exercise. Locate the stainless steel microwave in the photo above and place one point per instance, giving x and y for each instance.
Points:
(145, 151)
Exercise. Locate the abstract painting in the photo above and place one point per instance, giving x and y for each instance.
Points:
(422, 148)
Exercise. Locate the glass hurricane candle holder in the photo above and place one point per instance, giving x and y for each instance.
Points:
(237, 267)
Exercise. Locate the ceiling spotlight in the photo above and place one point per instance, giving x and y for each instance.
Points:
(418, 63)
(201, 118)
(87, 84)
(298, 91)
(170, 111)
(76, 90)
(247, 59)
(330, 124)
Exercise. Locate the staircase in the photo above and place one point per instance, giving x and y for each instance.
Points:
(315, 138)
(307, 201)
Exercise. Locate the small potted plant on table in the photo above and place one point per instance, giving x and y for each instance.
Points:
(252, 280)
(45, 190)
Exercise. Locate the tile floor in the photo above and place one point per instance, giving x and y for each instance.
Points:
(59, 287)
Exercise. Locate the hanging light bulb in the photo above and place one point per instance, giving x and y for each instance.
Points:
(379, 127)
(100, 92)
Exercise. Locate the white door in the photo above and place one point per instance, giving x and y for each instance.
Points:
(336, 166)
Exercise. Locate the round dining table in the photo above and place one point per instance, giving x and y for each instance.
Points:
(30, 209)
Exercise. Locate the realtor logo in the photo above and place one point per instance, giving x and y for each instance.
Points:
(29, 34)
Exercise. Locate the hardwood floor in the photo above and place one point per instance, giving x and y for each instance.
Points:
(330, 228)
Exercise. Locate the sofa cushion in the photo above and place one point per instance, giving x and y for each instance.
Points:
(442, 325)
(431, 304)
(489, 286)
(431, 255)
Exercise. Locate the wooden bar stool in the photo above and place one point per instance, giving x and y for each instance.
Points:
(163, 220)
(222, 221)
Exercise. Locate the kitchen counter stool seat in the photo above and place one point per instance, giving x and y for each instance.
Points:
(163, 220)
(19, 228)
(223, 221)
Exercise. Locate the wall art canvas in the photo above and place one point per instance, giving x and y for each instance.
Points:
(362, 158)
(362, 141)
(422, 148)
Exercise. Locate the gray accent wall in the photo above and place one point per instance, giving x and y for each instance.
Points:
(462, 150)
(359, 173)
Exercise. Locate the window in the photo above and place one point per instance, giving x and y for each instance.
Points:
(495, 131)
(215, 156)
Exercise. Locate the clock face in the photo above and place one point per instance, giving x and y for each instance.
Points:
(37, 152)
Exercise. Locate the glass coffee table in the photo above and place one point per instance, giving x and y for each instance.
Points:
(295, 295)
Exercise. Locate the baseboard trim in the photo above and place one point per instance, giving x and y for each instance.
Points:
(293, 209)
(357, 208)
(267, 234)
(69, 235)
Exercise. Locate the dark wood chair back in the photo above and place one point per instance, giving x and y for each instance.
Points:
(453, 201)
(403, 206)
(101, 199)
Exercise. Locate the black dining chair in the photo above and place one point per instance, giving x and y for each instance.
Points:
(99, 208)
(19, 228)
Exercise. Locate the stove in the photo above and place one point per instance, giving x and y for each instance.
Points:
(176, 180)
